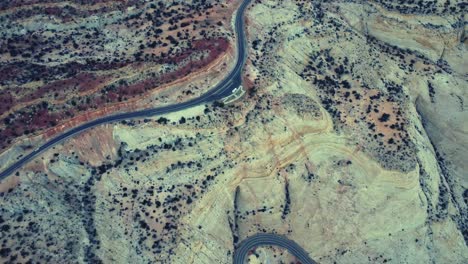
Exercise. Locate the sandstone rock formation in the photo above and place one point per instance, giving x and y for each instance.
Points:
(351, 140)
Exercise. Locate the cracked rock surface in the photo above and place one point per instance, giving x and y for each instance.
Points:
(351, 140)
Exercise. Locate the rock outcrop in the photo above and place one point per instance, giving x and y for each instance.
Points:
(351, 140)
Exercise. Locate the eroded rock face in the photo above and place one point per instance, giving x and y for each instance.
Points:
(350, 142)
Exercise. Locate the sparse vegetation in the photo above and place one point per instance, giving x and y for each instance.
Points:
(84, 67)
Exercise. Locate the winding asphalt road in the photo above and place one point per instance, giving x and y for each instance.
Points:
(247, 244)
(223, 89)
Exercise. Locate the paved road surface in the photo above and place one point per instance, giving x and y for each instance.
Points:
(247, 244)
(223, 89)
